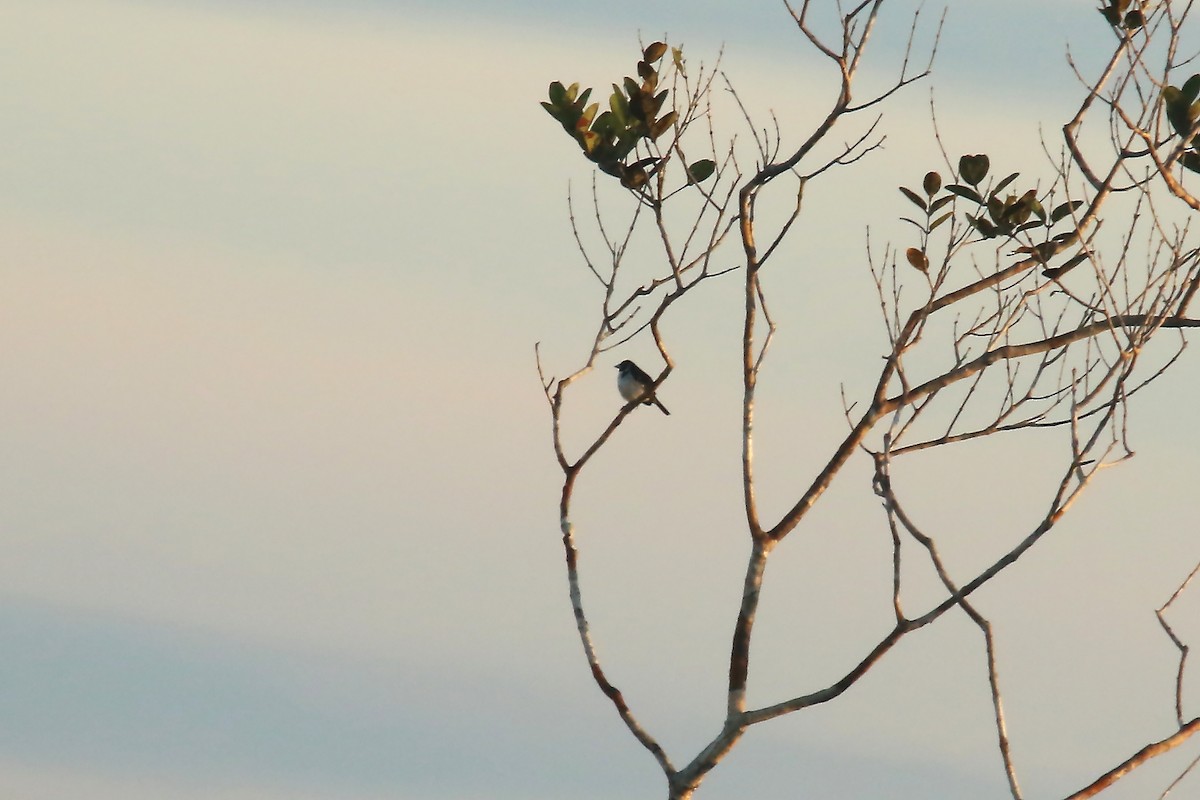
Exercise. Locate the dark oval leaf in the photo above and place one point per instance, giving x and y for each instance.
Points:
(1178, 108)
(917, 259)
(973, 169)
(701, 170)
(941, 219)
(603, 124)
(654, 52)
(932, 183)
(1191, 88)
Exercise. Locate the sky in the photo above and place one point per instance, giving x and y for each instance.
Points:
(278, 504)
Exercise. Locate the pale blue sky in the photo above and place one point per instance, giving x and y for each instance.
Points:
(277, 501)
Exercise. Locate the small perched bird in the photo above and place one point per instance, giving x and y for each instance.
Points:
(633, 384)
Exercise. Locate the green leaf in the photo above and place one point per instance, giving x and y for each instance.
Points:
(603, 124)
(1070, 263)
(1002, 185)
(965, 191)
(1065, 209)
(932, 183)
(558, 94)
(657, 104)
(1038, 210)
(940, 220)
(1042, 252)
(654, 52)
(973, 169)
(1179, 110)
(997, 208)
(983, 226)
(1114, 10)
(632, 89)
(701, 170)
(1190, 160)
(619, 106)
(1191, 88)
(916, 199)
(1019, 209)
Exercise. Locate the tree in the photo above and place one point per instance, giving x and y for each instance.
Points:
(1008, 311)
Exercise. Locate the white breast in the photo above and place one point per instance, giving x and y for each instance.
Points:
(629, 388)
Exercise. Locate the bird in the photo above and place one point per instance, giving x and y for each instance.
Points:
(633, 384)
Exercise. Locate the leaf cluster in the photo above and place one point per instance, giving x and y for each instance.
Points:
(997, 213)
(634, 115)
(1119, 15)
(1183, 111)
